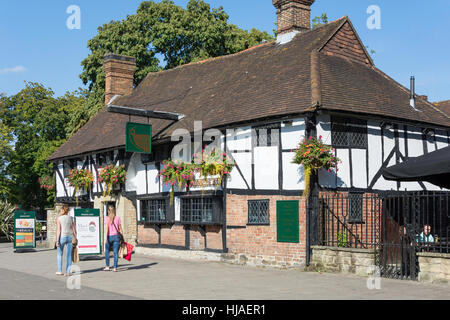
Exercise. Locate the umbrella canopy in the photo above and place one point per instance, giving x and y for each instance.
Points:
(433, 167)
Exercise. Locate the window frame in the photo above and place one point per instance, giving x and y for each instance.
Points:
(146, 213)
(352, 198)
(268, 127)
(215, 209)
(253, 223)
(349, 128)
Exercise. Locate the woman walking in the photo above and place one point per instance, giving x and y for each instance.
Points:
(65, 233)
(113, 227)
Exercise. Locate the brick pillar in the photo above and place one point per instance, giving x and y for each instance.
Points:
(52, 217)
(119, 79)
(293, 15)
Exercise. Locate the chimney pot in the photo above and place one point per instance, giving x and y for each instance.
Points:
(119, 71)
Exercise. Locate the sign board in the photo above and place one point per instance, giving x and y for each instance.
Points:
(288, 221)
(139, 138)
(24, 229)
(87, 222)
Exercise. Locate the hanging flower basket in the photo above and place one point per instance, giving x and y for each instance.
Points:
(80, 179)
(112, 176)
(313, 154)
(213, 162)
(178, 173)
(47, 182)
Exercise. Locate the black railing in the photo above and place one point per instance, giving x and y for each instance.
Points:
(348, 220)
(398, 225)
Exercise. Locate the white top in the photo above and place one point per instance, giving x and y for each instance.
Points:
(66, 226)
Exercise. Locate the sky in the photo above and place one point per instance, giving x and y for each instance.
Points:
(37, 45)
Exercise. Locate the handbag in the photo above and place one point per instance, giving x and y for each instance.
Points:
(75, 256)
(121, 239)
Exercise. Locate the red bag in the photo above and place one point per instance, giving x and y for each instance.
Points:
(130, 248)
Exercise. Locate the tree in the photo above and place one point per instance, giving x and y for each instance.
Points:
(7, 220)
(320, 20)
(162, 30)
(38, 125)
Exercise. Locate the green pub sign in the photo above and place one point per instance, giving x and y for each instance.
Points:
(139, 138)
(24, 229)
(287, 221)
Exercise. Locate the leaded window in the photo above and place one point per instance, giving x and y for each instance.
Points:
(258, 212)
(267, 135)
(355, 208)
(67, 166)
(153, 210)
(347, 133)
(197, 210)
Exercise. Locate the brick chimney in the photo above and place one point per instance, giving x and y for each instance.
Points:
(119, 71)
(293, 16)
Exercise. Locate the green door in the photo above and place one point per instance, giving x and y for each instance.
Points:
(288, 221)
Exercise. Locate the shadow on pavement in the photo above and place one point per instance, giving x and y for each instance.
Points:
(121, 268)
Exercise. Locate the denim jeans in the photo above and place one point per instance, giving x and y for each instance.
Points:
(65, 242)
(114, 241)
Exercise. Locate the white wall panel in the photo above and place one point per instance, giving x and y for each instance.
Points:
(441, 139)
(239, 139)
(292, 135)
(389, 145)
(343, 174)
(415, 144)
(266, 168)
(60, 183)
(324, 128)
(235, 180)
(359, 168)
(374, 148)
(152, 177)
(293, 177)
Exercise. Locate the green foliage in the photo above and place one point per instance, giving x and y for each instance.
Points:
(320, 20)
(34, 123)
(38, 123)
(342, 240)
(165, 30)
(7, 219)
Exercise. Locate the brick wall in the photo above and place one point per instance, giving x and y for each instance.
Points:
(247, 244)
(293, 15)
(257, 245)
(119, 71)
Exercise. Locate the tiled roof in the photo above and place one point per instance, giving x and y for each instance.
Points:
(264, 81)
(444, 106)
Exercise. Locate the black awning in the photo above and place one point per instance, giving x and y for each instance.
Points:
(433, 167)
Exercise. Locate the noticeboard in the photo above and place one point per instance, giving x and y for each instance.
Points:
(139, 138)
(288, 221)
(88, 228)
(24, 229)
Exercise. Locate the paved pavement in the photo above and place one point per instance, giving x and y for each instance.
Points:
(31, 275)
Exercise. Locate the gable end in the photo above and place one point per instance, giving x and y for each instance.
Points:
(346, 43)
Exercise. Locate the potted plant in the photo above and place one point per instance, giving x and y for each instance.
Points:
(80, 179)
(112, 175)
(314, 154)
(212, 162)
(176, 172)
(47, 182)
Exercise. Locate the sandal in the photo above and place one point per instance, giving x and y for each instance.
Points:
(59, 273)
(67, 275)
(114, 270)
(106, 269)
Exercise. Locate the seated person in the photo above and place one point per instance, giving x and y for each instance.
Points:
(425, 236)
